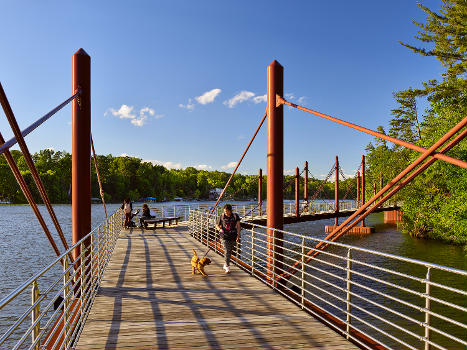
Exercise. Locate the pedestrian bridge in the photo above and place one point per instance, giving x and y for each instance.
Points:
(149, 299)
(134, 289)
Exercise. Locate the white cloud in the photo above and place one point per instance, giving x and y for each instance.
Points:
(168, 165)
(289, 172)
(202, 167)
(189, 106)
(290, 96)
(145, 110)
(301, 99)
(125, 112)
(208, 96)
(239, 98)
(230, 165)
(137, 119)
(259, 99)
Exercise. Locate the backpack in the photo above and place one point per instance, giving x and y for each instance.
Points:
(230, 232)
(127, 208)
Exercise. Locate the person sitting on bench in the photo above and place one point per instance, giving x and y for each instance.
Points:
(146, 215)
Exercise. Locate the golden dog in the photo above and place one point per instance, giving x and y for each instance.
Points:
(198, 265)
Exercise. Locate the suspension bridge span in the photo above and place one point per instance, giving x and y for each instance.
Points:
(116, 288)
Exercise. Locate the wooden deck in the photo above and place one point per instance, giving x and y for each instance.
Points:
(150, 300)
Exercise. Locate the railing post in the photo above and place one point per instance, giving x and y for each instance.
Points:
(305, 188)
(358, 189)
(66, 298)
(260, 191)
(82, 275)
(363, 185)
(297, 192)
(81, 149)
(303, 273)
(252, 251)
(35, 315)
(427, 308)
(336, 191)
(348, 289)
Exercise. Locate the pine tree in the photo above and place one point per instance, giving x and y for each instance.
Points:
(446, 35)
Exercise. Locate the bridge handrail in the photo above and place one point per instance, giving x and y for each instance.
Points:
(354, 288)
(81, 280)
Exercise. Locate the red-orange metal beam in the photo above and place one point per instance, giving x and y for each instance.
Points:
(402, 184)
(336, 190)
(275, 168)
(363, 184)
(260, 191)
(437, 155)
(297, 192)
(30, 163)
(81, 150)
(358, 189)
(393, 186)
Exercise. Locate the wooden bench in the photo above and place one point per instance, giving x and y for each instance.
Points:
(154, 222)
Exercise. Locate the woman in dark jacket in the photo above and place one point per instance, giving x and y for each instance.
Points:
(145, 215)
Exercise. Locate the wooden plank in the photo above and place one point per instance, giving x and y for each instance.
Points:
(149, 299)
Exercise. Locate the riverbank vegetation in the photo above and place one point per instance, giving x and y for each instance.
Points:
(435, 203)
(132, 177)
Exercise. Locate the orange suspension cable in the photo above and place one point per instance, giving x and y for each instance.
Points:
(375, 133)
(27, 156)
(392, 185)
(239, 162)
(98, 177)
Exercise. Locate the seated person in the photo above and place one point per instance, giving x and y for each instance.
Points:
(145, 216)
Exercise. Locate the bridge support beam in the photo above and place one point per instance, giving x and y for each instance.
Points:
(275, 169)
(297, 192)
(305, 188)
(81, 150)
(336, 191)
(260, 192)
(363, 186)
(358, 189)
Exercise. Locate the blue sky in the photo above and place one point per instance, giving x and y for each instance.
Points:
(181, 82)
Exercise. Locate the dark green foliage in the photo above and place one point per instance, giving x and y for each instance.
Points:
(435, 203)
(131, 177)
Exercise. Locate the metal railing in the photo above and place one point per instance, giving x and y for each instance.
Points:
(57, 300)
(250, 210)
(369, 296)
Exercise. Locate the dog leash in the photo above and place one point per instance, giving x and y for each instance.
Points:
(209, 248)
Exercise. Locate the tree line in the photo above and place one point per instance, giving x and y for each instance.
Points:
(435, 203)
(132, 177)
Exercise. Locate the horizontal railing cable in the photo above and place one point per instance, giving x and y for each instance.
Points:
(369, 296)
(11, 142)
